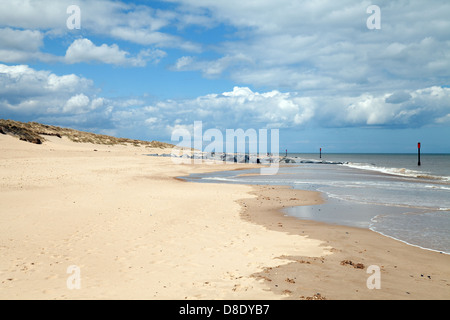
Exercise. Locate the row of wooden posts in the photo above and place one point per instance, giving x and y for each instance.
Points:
(418, 148)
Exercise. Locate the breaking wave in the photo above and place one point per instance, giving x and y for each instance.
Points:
(397, 171)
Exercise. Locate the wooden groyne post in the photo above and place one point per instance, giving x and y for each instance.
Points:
(418, 148)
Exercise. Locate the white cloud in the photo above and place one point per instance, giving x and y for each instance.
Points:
(24, 25)
(76, 104)
(18, 46)
(21, 80)
(243, 108)
(120, 20)
(148, 37)
(33, 14)
(315, 45)
(152, 121)
(211, 68)
(72, 100)
(183, 63)
(444, 120)
(23, 40)
(240, 108)
(413, 108)
(325, 46)
(327, 67)
(83, 50)
(24, 90)
(69, 82)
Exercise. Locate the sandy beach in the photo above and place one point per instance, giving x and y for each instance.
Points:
(135, 231)
(406, 272)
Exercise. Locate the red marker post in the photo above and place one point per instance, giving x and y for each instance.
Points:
(418, 148)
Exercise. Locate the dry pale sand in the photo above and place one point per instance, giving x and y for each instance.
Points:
(130, 227)
(136, 232)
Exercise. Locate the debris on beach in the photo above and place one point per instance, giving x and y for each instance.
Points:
(317, 296)
(290, 280)
(351, 263)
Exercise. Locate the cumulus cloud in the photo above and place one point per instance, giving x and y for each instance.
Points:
(325, 46)
(33, 14)
(313, 63)
(81, 103)
(24, 25)
(84, 50)
(244, 108)
(158, 39)
(413, 109)
(24, 90)
(22, 45)
(68, 100)
(26, 40)
(240, 108)
(211, 68)
(135, 23)
(72, 100)
(297, 46)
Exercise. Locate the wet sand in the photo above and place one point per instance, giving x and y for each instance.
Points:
(406, 272)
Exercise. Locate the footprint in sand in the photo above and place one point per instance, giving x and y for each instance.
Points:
(120, 258)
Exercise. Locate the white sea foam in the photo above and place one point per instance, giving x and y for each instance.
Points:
(413, 190)
(221, 179)
(437, 187)
(388, 233)
(408, 243)
(396, 171)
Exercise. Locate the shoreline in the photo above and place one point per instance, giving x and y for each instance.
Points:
(407, 272)
(137, 232)
(410, 244)
(331, 203)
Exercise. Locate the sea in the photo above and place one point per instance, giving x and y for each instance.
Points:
(387, 193)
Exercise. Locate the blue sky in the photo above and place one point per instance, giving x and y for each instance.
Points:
(312, 69)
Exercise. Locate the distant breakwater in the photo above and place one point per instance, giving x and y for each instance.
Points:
(243, 158)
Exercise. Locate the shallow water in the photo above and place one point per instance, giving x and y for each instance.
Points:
(415, 210)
